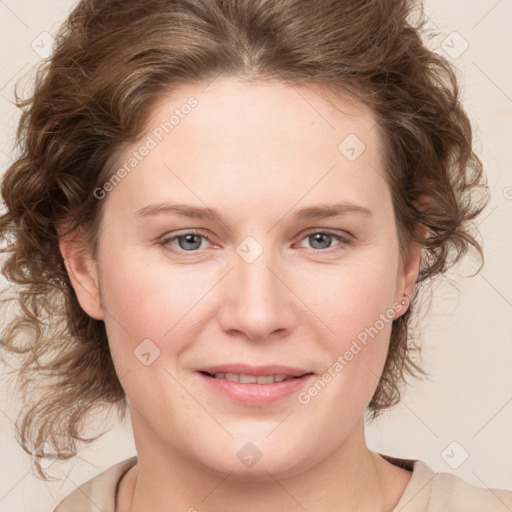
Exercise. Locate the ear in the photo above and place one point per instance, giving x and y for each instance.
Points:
(83, 274)
(409, 269)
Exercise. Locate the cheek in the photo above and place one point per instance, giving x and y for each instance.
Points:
(149, 324)
(139, 305)
(350, 299)
(358, 309)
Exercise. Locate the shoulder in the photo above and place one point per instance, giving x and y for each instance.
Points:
(454, 493)
(99, 492)
(429, 491)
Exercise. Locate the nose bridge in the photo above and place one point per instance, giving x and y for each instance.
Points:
(258, 302)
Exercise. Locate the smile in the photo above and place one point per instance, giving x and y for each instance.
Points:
(252, 379)
(256, 386)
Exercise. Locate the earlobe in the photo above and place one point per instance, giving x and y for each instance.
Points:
(83, 274)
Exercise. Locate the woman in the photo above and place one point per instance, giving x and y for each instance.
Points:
(219, 222)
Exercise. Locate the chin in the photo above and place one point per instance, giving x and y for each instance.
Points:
(261, 459)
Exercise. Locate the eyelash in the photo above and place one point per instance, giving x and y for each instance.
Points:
(345, 241)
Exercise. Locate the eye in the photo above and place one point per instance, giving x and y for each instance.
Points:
(192, 241)
(189, 241)
(323, 241)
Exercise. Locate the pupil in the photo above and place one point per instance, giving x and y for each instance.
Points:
(318, 238)
(189, 239)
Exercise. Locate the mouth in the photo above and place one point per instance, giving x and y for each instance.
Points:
(245, 378)
(256, 386)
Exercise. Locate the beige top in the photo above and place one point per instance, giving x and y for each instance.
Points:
(426, 492)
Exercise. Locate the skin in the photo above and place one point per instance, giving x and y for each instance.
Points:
(255, 152)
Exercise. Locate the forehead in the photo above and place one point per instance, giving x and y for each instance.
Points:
(254, 144)
(263, 109)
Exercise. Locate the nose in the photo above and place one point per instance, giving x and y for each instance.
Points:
(256, 299)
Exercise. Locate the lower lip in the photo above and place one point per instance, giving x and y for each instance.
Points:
(256, 394)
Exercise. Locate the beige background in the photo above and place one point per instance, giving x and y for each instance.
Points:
(466, 406)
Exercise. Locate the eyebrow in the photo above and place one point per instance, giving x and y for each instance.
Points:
(204, 213)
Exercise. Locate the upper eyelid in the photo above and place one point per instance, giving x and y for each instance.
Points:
(343, 235)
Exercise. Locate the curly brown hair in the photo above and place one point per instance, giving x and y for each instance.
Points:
(113, 60)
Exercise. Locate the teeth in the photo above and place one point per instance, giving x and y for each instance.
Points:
(252, 379)
(246, 379)
(264, 379)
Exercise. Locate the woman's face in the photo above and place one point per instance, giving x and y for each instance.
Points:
(254, 237)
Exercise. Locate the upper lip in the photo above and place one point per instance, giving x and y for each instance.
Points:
(245, 369)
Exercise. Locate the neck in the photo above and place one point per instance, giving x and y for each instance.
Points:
(351, 478)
